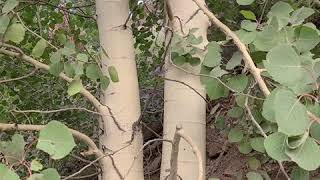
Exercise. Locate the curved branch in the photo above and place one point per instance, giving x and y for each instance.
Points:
(19, 78)
(243, 49)
(56, 110)
(256, 72)
(93, 149)
(20, 55)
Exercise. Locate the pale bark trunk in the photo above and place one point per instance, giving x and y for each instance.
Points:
(182, 105)
(121, 97)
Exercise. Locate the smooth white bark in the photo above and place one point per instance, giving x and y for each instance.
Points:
(182, 105)
(121, 97)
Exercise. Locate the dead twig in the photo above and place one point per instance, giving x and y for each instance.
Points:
(19, 78)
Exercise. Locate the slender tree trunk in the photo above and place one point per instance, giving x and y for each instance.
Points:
(182, 105)
(121, 97)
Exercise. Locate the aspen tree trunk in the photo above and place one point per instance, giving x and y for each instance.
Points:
(121, 97)
(182, 105)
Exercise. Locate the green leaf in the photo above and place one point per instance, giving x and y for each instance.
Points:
(307, 39)
(281, 10)
(39, 48)
(254, 176)
(248, 15)
(307, 155)
(238, 83)
(213, 56)
(220, 123)
(56, 140)
(36, 165)
(4, 22)
(75, 87)
(269, 37)
(218, 72)
(105, 81)
(268, 111)
(194, 61)
(69, 49)
(36, 176)
(240, 100)
(284, 65)
(234, 61)
(245, 2)
(15, 33)
(9, 6)
(82, 57)
(62, 38)
(275, 145)
(245, 36)
(299, 174)
(299, 15)
(235, 112)
(288, 110)
(294, 142)
(257, 144)
(78, 68)
(177, 59)
(213, 87)
(93, 72)
(69, 70)
(113, 74)
(50, 174)
(244, 148)
(315, 131)
(56, 68)
(55, 56)
(7, 174)
(13, 150)
(235, 135)
(254, 163)
(192, 39)
(248, 25)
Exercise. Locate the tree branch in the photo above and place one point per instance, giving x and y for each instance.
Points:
(256, 72)
(93, 149)
(20, 55)
(243, 49)
(19, 78)
(56, 110)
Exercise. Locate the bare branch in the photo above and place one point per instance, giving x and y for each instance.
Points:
(85, 167)
(93, 149)
(56, 110)
(37, 64)
(19, 78)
